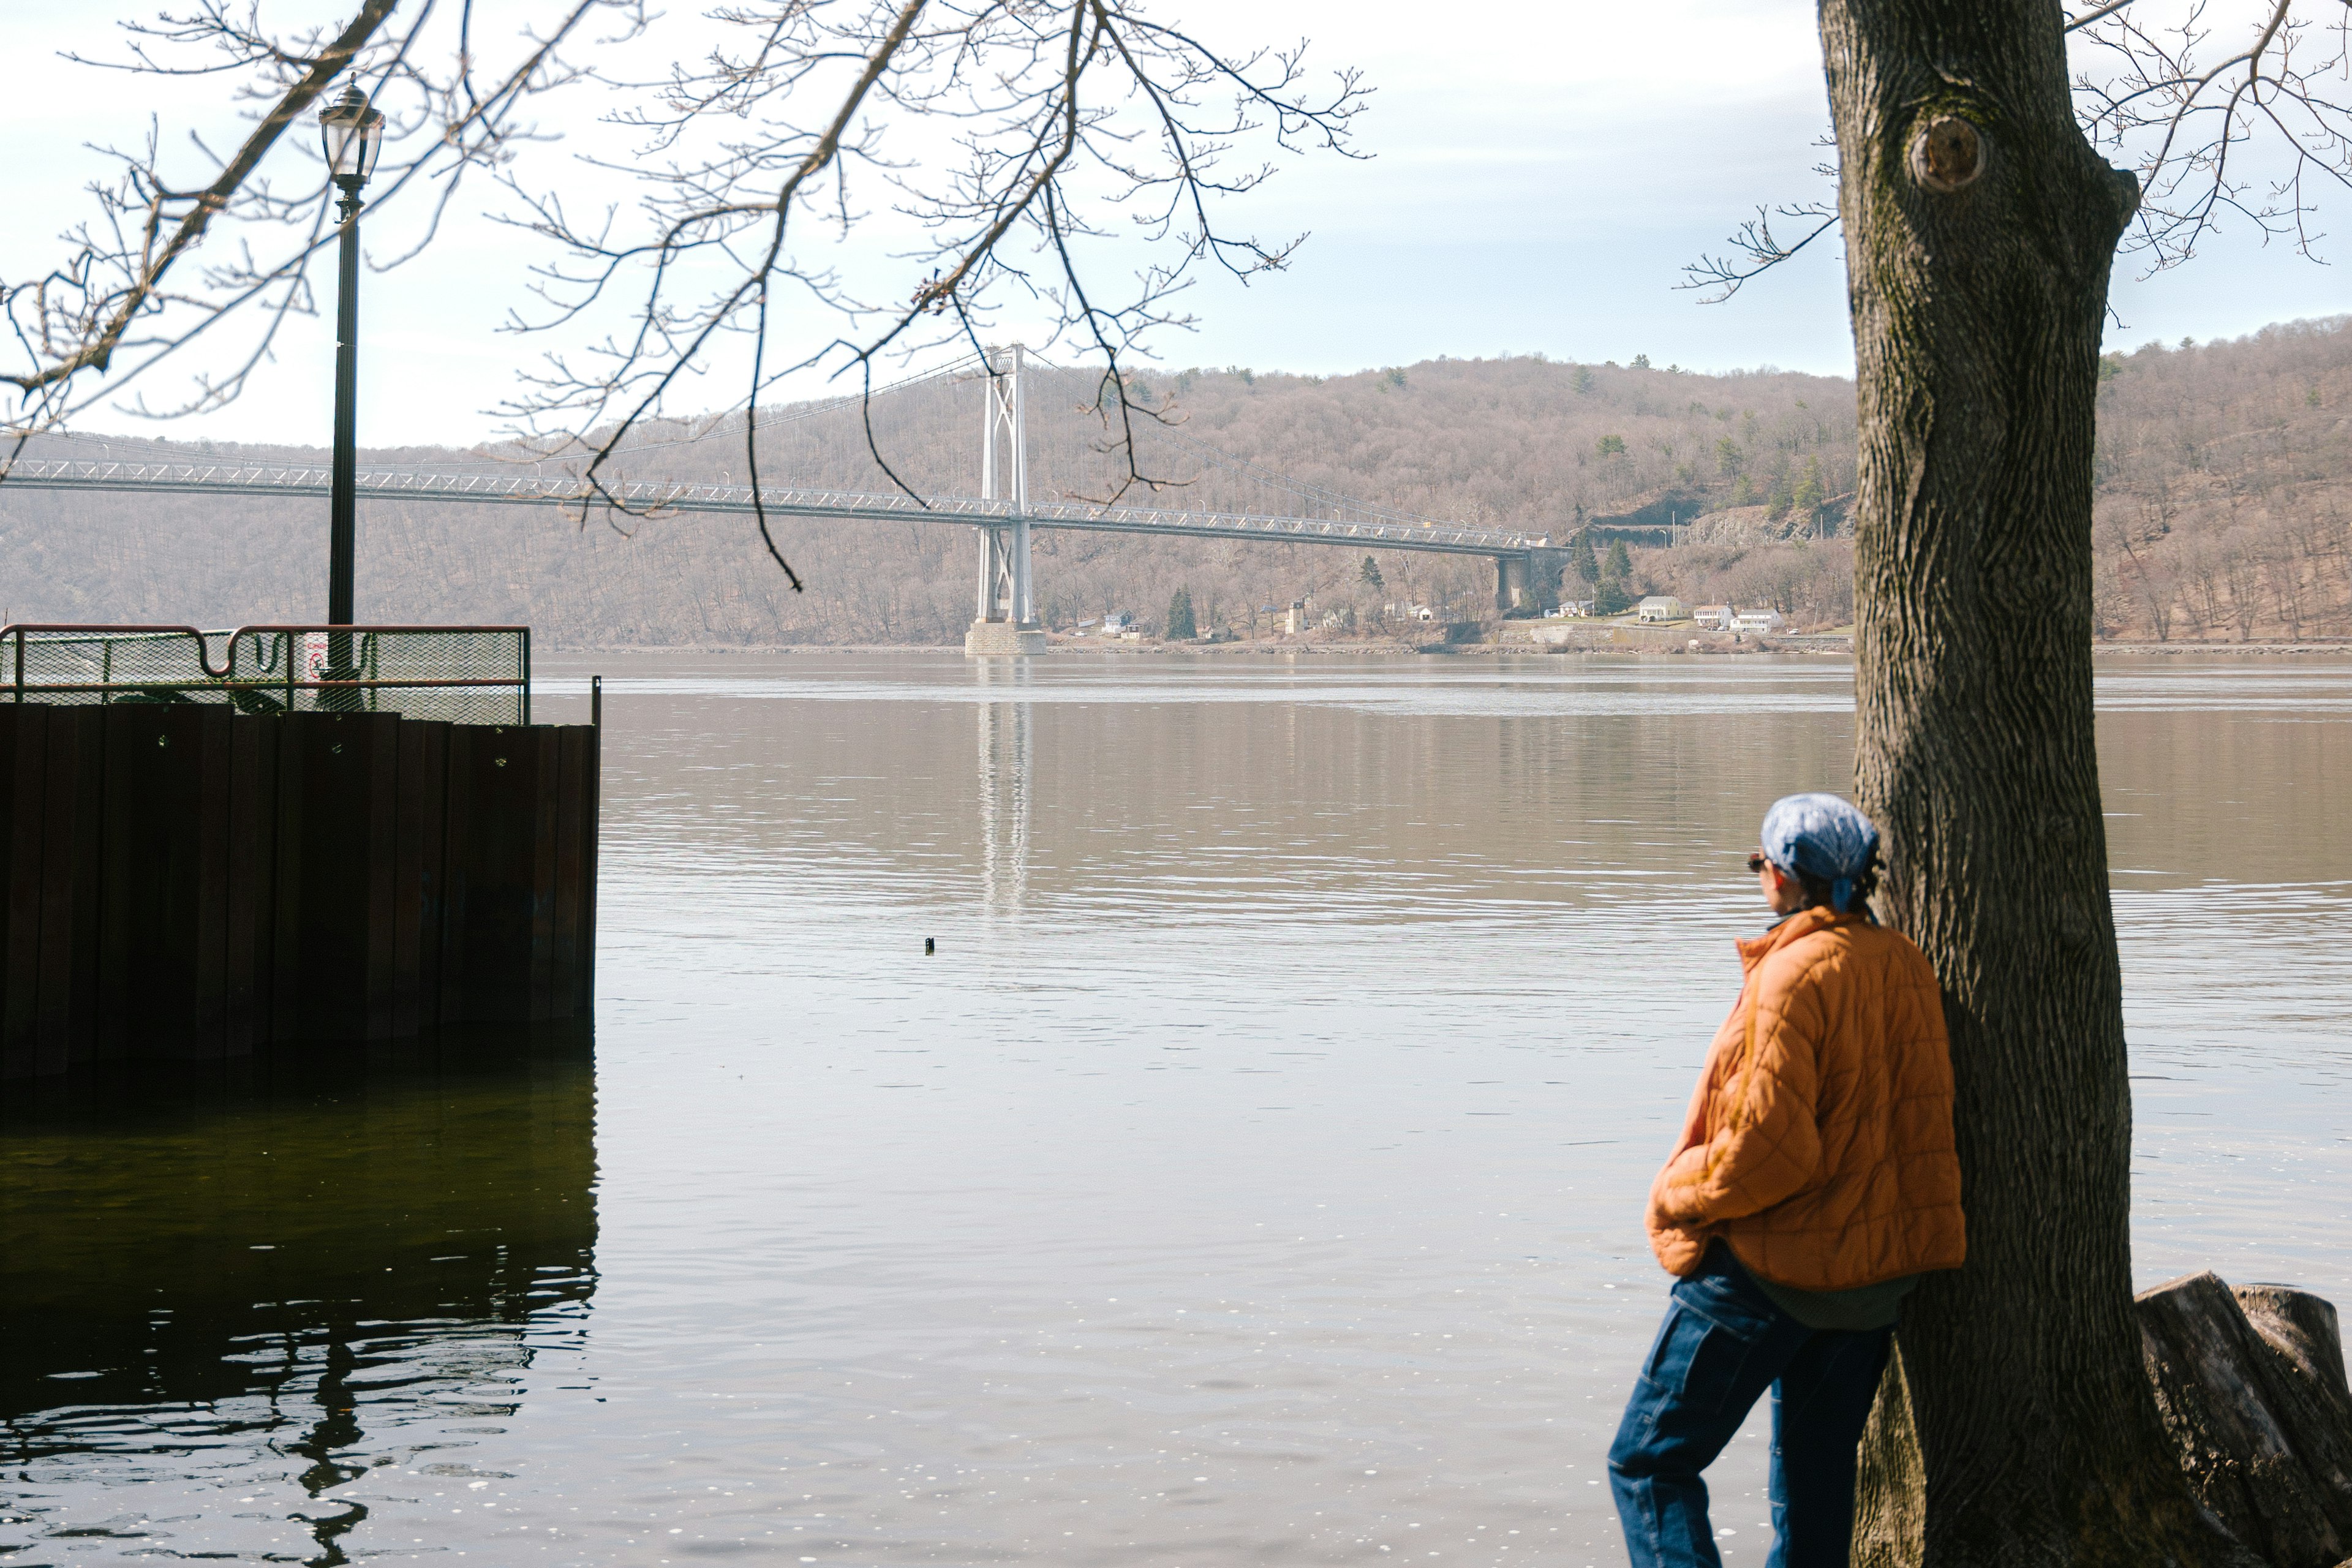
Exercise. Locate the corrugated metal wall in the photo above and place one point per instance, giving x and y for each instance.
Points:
(181, 882)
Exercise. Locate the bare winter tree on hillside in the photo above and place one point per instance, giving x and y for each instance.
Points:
(2257, 445)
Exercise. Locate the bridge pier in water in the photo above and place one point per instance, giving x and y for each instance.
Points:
(1007, 623)
(1528, 580)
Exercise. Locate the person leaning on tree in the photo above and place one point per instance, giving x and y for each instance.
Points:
(1814, 1181)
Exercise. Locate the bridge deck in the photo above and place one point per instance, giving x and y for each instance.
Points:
(662, 497)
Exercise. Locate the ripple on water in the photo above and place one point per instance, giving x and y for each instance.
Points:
(1254, 1169)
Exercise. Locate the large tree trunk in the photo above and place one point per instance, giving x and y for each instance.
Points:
(2017, 1427)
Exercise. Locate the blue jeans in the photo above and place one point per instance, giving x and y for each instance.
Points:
(1722, 1346)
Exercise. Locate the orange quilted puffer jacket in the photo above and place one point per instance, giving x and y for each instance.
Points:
(1819, 1143)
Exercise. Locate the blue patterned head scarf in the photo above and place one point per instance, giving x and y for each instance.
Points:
(1821, 836)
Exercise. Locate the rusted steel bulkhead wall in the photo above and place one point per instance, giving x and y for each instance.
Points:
(180, 882)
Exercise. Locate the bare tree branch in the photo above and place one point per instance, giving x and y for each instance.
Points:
(98, 351)
(1054, 115)
(2087, 18)
(126, 296)
(1759, 250)
(2154, 95)
(1065, 161)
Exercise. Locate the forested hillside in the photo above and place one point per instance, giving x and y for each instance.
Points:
(2225, 488)
(2225, 492)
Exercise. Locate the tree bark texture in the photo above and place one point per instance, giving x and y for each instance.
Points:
(2251, 1387)
(2017, 1428)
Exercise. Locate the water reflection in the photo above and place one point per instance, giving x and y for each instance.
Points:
(279, 1284)
(1004, 770)
(1253, 1172)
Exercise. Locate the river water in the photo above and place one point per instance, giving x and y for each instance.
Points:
(1254, 1174)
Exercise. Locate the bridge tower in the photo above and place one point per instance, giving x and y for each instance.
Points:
(1007, 620)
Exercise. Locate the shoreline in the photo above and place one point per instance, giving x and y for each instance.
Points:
(1814, 646)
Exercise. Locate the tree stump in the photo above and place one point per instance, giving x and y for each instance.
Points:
(2251, 1387)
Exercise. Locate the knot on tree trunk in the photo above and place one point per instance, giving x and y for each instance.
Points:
(2251, 1387)
(1947, 154)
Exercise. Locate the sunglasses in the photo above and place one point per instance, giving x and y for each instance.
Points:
(1755, 863)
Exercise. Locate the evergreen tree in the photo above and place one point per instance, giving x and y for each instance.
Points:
(1782, 495)
(1180, 617)
(1809, 492)
(1615, 593)
(1371, 574)
(1587, 569)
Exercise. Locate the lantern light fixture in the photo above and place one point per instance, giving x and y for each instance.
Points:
(351, 134)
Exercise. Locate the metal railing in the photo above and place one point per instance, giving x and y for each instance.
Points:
(469, 675)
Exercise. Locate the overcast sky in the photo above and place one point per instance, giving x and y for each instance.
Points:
(1540, 174)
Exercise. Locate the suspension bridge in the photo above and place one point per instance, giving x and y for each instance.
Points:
(1005, 514)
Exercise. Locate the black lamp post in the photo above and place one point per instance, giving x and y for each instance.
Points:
(351, 134)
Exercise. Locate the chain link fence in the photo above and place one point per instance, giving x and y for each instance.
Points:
(468, 675)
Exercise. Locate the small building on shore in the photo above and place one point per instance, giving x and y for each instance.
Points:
(1758, 623)
(1662, 608)
(1715, 617)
